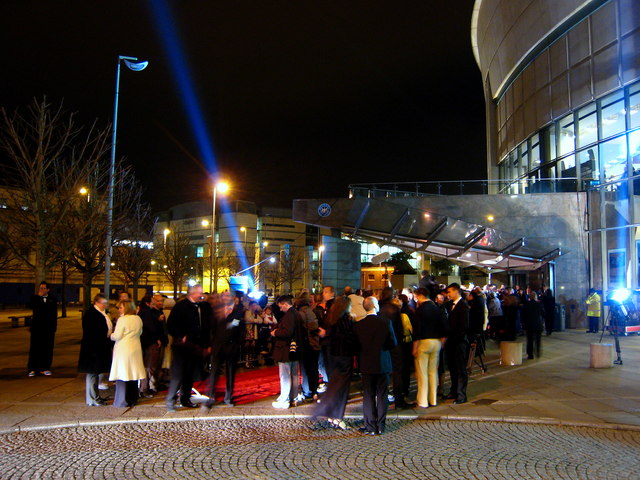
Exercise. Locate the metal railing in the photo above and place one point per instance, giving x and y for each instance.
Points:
(470, 187)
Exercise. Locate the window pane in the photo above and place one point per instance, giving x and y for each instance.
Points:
(550, 143)
(613, 156)
(587, 126)
(613, 118)
(589, 167)
(535, 155)
(634, 153)
(634, 110)
(567, 135)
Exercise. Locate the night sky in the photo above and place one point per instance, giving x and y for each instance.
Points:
(300, 98)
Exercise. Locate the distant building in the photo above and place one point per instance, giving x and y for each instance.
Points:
(249, 233)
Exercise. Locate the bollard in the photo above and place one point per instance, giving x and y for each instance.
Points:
(510, 353)
(601, 355)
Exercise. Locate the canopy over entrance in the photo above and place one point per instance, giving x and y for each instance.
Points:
(413, 225)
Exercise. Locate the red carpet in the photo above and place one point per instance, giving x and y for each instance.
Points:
(251, 385)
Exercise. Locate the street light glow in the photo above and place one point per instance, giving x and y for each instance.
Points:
(166, 231)
(83, 191)
(242, 229)
(205, 223)
(222, 187)
(321, 248)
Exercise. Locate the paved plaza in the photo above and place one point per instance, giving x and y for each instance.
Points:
(550, 418)
(288, 449)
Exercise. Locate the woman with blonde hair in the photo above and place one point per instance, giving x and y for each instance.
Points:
(127, 366)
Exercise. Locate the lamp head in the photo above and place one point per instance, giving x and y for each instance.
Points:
(222, 187)
(136, 66)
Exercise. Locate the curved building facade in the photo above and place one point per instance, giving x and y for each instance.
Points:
(562, 93)
(560, 81)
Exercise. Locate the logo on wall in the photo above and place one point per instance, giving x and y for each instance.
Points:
(324, 210)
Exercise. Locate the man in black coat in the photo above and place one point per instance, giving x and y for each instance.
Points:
(188, 324)
(457, 345)
(376, 338)
(289, 330)
(95, 348)
(43, 330)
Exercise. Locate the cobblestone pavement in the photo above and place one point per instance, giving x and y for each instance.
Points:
(289, 449)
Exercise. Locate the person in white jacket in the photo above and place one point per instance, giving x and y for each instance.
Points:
(127, 366)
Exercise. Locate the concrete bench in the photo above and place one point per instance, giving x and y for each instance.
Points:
(15, 320)
(601, 355)
(510, 353)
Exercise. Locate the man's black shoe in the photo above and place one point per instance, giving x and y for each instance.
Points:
(188, 404)
(366, 432)
(458, 402)
(451, 396)
(402, 405)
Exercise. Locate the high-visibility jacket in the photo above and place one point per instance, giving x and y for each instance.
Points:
(593, 305)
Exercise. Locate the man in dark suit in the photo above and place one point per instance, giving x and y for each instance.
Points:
(457, 345)
(375, 340)
(43, 330)
(95, 348)
(188, 324)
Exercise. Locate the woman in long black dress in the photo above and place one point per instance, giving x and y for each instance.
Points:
(339, 331)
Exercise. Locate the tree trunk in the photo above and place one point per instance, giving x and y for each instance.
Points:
(175, 291)
(40, 271)
(87, 280)
(63, 297)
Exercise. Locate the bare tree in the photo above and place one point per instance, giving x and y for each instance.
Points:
(228, 264)
(272, 273)
(293, 265)
(176, 258)
(48, 156)
(133, 254)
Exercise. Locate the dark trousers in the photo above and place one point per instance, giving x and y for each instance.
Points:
(457, 352)
(548, 323)
(375, 389)
(310, 371)
(594, 324)
(334, 401)
(533, 342)
(183, 366)
(398, 385)
(40, 350)
(126, 393)
(230, 360)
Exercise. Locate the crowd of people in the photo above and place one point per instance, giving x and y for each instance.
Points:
(320, 343)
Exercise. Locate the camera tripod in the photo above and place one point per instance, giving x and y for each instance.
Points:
(612, 321)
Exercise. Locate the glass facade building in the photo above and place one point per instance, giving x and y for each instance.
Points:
(562, 93)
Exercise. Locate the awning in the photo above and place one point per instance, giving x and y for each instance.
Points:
(426, 231)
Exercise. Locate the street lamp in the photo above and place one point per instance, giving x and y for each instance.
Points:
(132, 64)
(223, 188)
(320, 251)
(243, 229)
(166, 232)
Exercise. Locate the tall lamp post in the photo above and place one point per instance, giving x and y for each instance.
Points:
(223, 188)
(133, 64)
(244, 230)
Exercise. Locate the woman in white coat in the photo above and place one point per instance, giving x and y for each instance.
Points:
(127, 366)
